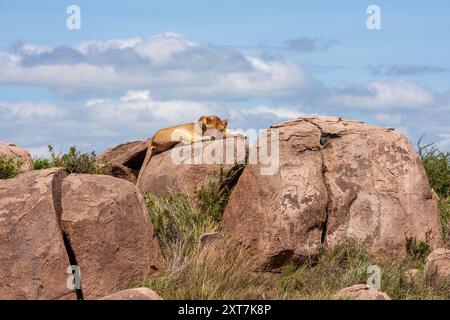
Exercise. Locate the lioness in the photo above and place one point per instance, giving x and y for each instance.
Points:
(206, 128)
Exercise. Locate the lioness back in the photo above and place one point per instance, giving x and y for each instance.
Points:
(169, 137)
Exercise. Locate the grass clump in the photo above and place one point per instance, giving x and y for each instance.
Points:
(8, 167)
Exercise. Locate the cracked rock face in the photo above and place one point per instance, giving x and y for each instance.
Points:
(17, 154)
(33, 258)
(50, 220)
(125, 160)
(338, 180)
(108, 227)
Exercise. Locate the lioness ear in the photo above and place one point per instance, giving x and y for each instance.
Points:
(225, 122)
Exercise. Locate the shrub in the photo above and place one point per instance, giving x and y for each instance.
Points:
(74, 161)
(8, 167)
(437, 167)
(40, 164)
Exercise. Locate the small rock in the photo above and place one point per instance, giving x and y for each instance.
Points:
(360, 292)
(134, 294)
(438, 264)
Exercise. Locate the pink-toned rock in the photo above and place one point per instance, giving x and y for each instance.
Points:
(134, 294)
(338, 180)
(33, 259)
(438, 264)
(125, 160)
(108, 227)
(360, 292)
(19, 155)
(188, 168)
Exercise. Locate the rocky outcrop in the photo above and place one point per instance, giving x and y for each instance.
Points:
(125, 160)
(50, 220)
(338, 180)
(360, 292)
(134, 294)
(108, 227)
(438, 265)
(33, 259)
(19, 155)
(188, 168)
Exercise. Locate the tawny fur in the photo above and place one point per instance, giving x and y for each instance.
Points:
(206, 128)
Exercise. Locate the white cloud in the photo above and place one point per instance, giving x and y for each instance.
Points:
(278, 112)
(136, 95)
(167, 64)
(382, 95)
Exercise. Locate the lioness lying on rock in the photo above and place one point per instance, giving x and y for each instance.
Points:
(206, 128)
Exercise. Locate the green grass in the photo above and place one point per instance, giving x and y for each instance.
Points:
(8, 167)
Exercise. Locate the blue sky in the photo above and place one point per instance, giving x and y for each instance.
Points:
(135, 66)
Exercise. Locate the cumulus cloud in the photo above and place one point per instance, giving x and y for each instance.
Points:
(168, 64)
(379, 95)
(138, 85)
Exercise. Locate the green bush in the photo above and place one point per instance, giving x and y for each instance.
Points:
(40, 164)
(8, 167)
(74, 161)
(437, 166)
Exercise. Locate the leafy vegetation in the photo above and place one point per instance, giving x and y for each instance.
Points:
(41, 163)
(437, 167)
(8, 167)
(74, 161)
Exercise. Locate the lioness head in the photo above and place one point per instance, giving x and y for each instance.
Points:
(213, 123)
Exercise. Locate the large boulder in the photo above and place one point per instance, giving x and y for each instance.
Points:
(134, 294)
(33, 259)
(360, 292)
(187, 168)
(337, 180)
(125, 160)
(438, 264)
(108, 228)
(19, 155)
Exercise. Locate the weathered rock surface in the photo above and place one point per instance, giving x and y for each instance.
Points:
(125, 160)
(410, 275)
(33, 259)
(107, 224)
(188, 168)
(134, 294)
(438, 264)
(338, 180)
(361, 292)
(19, 155)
